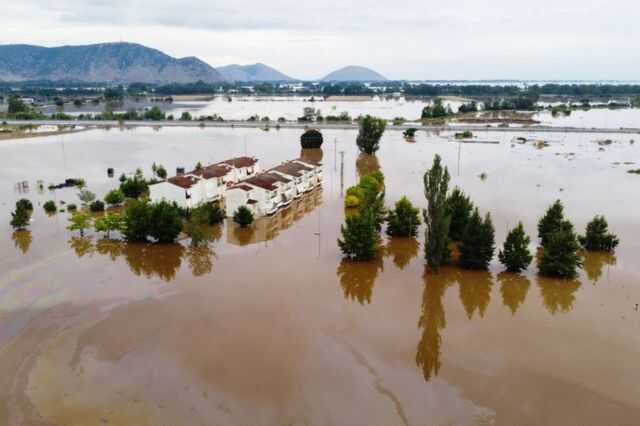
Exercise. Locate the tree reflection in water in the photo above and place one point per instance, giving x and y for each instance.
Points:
(357, 278)
(594, 262)
(311, 155)
(558, 295)
(367, 164)
(22, 240)
(475, 291)
(200, 260)
(402, 250)
(432, 321)
(514, 288)
(82, 246)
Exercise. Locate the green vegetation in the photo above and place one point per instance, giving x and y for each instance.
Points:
(96, 206)
(196, 226)
(114, 197)
(478, 242)
(154, 114)
(137, 221)
(110, 222)
(437, 110)
(634, 171)
(214, 213)
(404, 220)
(464, 135)
(79, 221)
(186, 116)
(50, 207)
(560, 254)
(515, 254)
(467, 108)
(25, 204)
(351, 201)
(551, 222)
(21, 216)
(598, 237)
(134, 187)
(371, 130)
(161, 221)
(436, 218)
(410, 132)
(560, 109)
(459, 208)
(359, 236)
(86, 196)
(243, 217)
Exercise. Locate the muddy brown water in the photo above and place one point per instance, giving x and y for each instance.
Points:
(270, 327)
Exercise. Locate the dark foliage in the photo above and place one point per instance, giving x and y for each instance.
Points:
(243, 217)
(560, 254)
(459, 208)
(478, 242)
(515, 254)
(598, 237)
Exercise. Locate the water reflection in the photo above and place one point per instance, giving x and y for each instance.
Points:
(200, 260)
(475, 291)
(357, 278)
(594, 263)
(269, 227)
(401, 250)
(311, 155)
(82, 246)
(367, 164)
(514, 289)
(22, 240)
(162, 260)
(558, 295)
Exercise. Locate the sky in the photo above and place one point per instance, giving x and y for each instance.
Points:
(412, 39)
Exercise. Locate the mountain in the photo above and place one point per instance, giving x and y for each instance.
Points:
(354, 73)
(108, 62)
(255, 72)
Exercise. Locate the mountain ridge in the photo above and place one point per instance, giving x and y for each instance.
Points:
(252, 72)
(354, 73)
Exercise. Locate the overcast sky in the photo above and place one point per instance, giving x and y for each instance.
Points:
(411, 39)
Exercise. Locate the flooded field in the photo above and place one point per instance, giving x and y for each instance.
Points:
(268, 326)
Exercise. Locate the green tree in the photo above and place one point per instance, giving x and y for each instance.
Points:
(598, 237)
(154, 114)
(114, 197)
(96, 206)
(371, 130)
(213, 212)
(79, 221)
(551, 222)
(86, 196)
(161, 172)
(515, 254)
(16, 106)
(108, 223)
(134, 187)
(404, 220)
(186, 116)
(243, 217)
(137, 221)
(196, 225)
(478, 242)
(436, 219)
(560, 255)
(359, 236)
(459, 207)
(20, 217)
(25, 204)
(50, 207)
(166, 222)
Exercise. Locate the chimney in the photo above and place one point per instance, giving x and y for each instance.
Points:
(179, 171)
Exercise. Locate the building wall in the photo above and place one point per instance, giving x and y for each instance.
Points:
(169, 192)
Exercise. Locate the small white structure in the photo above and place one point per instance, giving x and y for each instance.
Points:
(205, 184)
(273, 189)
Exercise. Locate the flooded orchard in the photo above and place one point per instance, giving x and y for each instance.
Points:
(269, 326)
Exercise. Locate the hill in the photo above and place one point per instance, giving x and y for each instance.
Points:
(255, 72)
(354, 73)
(108, 62)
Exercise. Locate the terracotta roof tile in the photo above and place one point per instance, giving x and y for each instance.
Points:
(183, 181)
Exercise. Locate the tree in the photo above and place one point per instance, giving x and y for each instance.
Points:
(195, 226)
(25, 204)
(161, 172)
(560, 255)
(371, 130)
(137, 221)
(86, 196)
(515, 254)
(459, 207)
(359, 237)
(213, 213)
(186, 116)
(551, 222)
(16, 105)
(96, 206)
(166, 222)
(134, 187)
(404, 220)
(20, 217)
(154, 114)
(436, 185)
(79, 221)
(243, 217)
(50, 207)
(598, 237)
(108, 223)
(114, 197)
(478, 242)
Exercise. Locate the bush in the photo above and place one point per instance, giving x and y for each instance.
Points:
(114, 197)
(559, 256)
(551, 222)
(598, 237)
(371, 130)
(404, 220)
(79, 221)
(134, 187)
(195, 225)
(72, 207)
(166, 222)
(108, 223)
(515, 254)
(212, 213)
(359, 237)
(459, 208)
(243, 217)
(86, 196)
(25, 204)
(478, 243)
(50, 207)
(351, 201)
(137, 221)
(96, 206)
(20, 217)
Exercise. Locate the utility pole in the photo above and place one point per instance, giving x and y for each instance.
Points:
(341, 174)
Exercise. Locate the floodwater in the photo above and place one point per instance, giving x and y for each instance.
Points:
(270, 327)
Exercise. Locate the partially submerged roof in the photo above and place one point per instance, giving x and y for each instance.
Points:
(185, 182)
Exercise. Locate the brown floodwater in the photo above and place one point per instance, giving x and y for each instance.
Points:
(269, 326)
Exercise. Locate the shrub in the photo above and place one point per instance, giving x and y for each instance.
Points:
(478, 243)
(134, 187)
(215, 214)
(371, 130)
(72, 207)
(96, 206)
(404, 220)
(357, 192)
(25, 204)
(79, 221)
(166, 222)
(436, 218)
(559, 257)
(20, 217)
(243, 217)
(114, 197)
(359, 237)
(551, 222)
(108, 223)
(137, 221)
(195, 225)
(598, 237)
(410, 132)
(50, 207)
(351, 201)
(459, 208)
(86, 196)
(515, 254)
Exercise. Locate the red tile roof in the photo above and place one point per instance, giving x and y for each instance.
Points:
(242, 187)
(212, 171)
(241, 161)
(263, 180)
(183, 181)
(292, 169)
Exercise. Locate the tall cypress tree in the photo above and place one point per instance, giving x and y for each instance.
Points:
(478, 242)
(436, 185)
(550, 222)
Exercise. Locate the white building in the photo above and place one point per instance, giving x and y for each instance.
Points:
(203, 185)
(273, 189)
